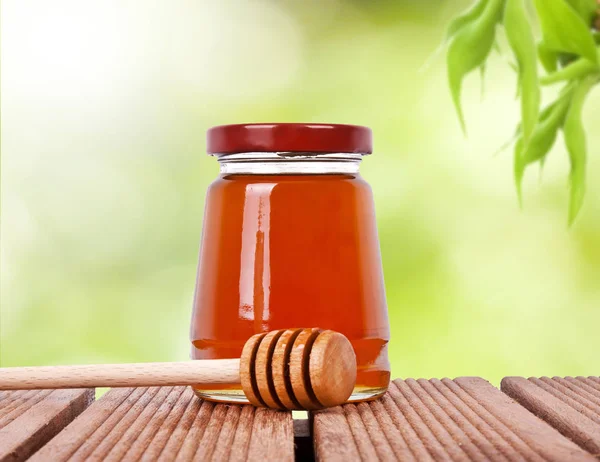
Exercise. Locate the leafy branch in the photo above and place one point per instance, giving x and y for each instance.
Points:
(568, 52)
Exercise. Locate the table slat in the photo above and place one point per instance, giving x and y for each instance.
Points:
(465, 419)
(29, 419)
(171, 423)
(571, 405)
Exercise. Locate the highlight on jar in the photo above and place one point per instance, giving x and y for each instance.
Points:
(289, 241)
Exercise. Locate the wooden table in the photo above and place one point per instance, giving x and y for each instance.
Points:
(463, 419)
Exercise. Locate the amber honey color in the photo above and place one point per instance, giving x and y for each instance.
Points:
(285, 251)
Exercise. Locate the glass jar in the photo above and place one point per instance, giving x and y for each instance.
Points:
(290, 240)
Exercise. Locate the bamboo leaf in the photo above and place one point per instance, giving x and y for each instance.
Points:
(585, 8)
(469, 49)
(521, 40)
(564, 30)
(543, 138)
(467, 17)
(458, 23)
(548, 57)
(575, 140)
(482, 70)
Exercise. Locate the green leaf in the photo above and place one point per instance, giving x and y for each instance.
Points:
(548, 57)
(574, 71)
(564, 30)
(482, 70)
(521, 40)
(467, 17)
(585, 8)
(542, 139)
(575, 140)
(469, 49)
(458, 23)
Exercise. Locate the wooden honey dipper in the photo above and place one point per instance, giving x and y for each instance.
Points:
(302, 369)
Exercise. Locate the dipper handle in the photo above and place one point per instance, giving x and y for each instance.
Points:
(284, 369)
(121, 375)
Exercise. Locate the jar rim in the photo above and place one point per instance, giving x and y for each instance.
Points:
(289, 137)
(279, 163)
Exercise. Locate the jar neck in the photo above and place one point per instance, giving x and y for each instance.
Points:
(274, 163)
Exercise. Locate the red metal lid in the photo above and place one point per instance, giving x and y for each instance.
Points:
(230, 139)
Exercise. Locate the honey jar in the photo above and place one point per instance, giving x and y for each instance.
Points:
(290, 240)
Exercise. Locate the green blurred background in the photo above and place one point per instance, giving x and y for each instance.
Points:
(105, 105)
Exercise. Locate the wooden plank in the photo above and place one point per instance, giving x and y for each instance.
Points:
(272, 436)
(29, 419)
(164, 431)
(465, 419)
(571, 405)
(16, 407)
(171, 423)
(241, 441)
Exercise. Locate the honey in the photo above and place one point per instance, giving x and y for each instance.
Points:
(284, 250)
